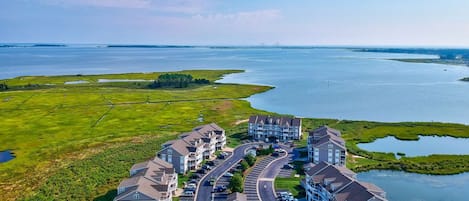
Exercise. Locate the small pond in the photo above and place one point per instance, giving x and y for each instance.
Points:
(404, 186)
(6, 155)
(77, 82)
(426, 145)
(121, 80)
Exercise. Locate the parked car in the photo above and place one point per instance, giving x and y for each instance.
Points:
(195, 176)
(206, 167)
(191, 186)
(286, 196)
(228, 174)
(219, 188)
(212, 181)
(275, 153)
(211, 163)
(201, 171)
(190, 193)
(222, 155)
(288, 166)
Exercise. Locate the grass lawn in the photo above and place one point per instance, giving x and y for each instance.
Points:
(291, 184)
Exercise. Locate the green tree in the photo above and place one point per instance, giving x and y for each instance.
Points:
(236, 183)
(250, 159)
(244, 165)
(3, 87)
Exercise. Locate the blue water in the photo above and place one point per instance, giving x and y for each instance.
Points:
(332, 83)
(403, 186)
(6, 155)
(426, 145)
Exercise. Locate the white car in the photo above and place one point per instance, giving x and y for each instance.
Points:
(228, 174)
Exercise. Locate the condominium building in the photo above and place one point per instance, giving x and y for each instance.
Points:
(326, 144)
(150, 180)
(271, 128)
(327, 182)
(188, 152)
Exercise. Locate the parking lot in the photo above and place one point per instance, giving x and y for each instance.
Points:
(191, 186)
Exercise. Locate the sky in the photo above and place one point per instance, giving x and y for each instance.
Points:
(429, 23)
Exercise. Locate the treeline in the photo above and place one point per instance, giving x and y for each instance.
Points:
(176, 80)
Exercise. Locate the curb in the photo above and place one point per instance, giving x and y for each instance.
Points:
(257, 182)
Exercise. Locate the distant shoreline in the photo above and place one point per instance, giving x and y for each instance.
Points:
(459, 57)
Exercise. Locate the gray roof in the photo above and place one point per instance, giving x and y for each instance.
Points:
(193, 138)
(330, 138)
(356, 191)
(208, 127)
(325, 130)
(144, 186)
(275, 120)
(343, 184)
(325, 134)
(152, 179)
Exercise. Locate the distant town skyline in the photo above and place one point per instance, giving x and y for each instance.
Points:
(429, 23)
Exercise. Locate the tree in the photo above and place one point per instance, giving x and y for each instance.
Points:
(250, 159)
(236, 183)
(3, 87)
(244, 165)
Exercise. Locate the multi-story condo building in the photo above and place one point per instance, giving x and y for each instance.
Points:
(188, 152)
(327, 182)
(326, 144)
(274, 128)
(150, 180)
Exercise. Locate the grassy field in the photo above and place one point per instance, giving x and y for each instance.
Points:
(63, 130)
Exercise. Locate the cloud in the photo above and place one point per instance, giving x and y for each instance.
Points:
(102, 3)
(167, 6)
(248, 17)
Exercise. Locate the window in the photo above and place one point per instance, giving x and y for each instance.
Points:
(137, 195)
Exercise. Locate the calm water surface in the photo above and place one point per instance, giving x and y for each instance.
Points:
(403, 186)
(332, 83)
(425, 146)
(6, 155)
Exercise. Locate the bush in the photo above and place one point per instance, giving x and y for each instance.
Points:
(250, 159)
(263, 152)
(244, 165)
(236, 183)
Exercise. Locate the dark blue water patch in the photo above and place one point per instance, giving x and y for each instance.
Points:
(6, 155)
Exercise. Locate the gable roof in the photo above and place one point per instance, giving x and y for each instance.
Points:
(275, 120)
(330, 138)
(152, 179)
(189, 139)
(326, 130)
(325, 134)
(141, 185)
(343, 184)
(356, 191)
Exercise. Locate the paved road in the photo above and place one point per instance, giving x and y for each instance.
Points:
(252, 187)
(204, 191)
(267, 177)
